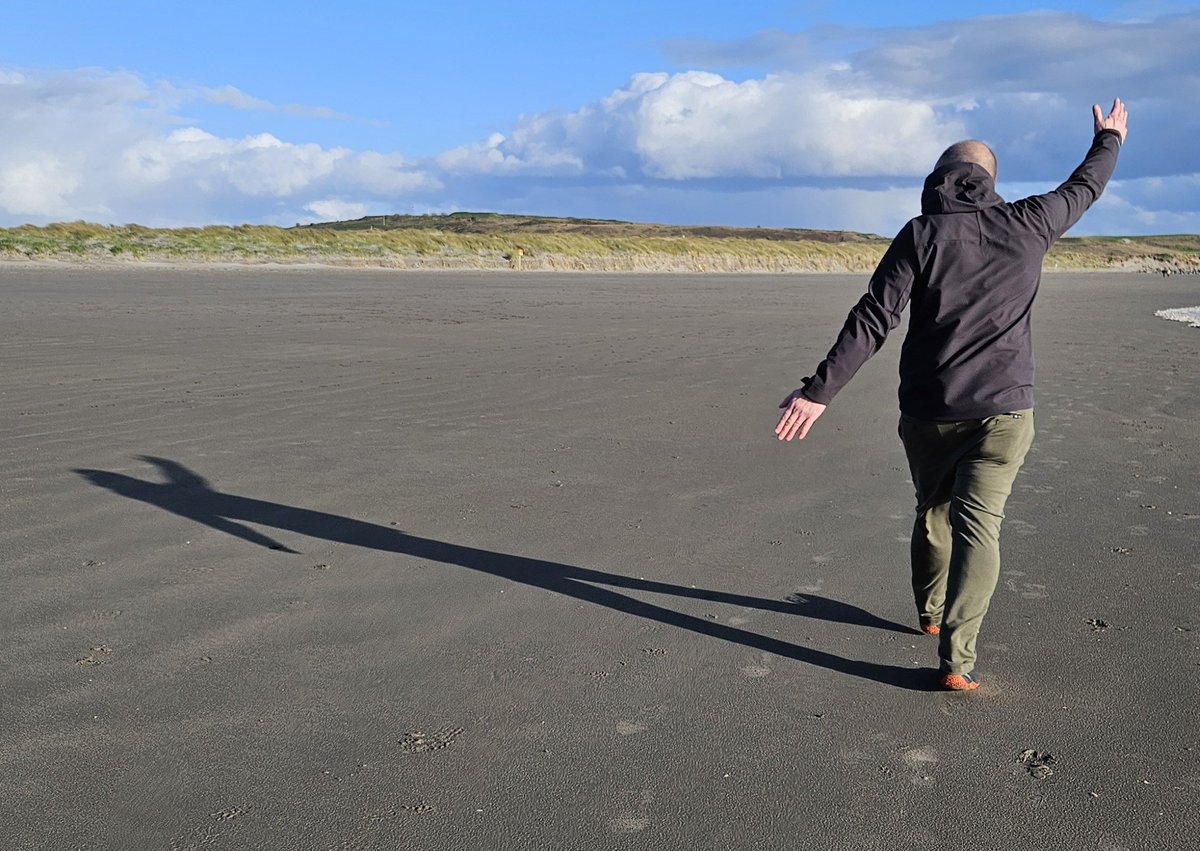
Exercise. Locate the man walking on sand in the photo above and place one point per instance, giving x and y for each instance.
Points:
(969, 266)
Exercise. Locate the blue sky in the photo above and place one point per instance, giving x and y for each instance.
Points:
(804, 114)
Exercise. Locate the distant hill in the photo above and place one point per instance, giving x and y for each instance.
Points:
(515, 225)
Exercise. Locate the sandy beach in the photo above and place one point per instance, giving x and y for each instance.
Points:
(365, 559)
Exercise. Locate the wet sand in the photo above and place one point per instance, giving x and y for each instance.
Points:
(331, 559)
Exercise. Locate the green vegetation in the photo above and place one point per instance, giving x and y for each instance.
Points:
(490, 240)
(1171, 253)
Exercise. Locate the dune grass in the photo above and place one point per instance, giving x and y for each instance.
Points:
(568, 244)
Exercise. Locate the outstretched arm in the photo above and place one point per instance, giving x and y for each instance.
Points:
(869, 322)
(1062, 208)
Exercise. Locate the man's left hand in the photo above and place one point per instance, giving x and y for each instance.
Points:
(801, 413)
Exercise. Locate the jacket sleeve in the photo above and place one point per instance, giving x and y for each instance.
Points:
(1063, 207)
(869, 322)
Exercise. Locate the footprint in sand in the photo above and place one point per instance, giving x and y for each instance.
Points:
(813, 587)
(96, 657)
(229, 813)
(421, 742)
(1056, 463)
(755, 672)
(1020, 527)
(920, 761)
(417, 808)
(1036, 763)
(1028, 590)
(632, 812)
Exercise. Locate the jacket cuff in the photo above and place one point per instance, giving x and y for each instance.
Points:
(1100, 133)
(813, 391)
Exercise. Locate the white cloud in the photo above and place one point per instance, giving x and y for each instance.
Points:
(259, 165)
(37, 186)
(527, 152)
(700, 125)
(485, 156)
(136, 163)
(336, 210)
(387, 175)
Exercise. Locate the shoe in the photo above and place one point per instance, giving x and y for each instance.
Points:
(960, 682)
(930, 629)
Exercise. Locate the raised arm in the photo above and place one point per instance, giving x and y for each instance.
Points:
(1061, 209)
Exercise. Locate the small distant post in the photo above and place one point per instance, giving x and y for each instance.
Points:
(515, 263)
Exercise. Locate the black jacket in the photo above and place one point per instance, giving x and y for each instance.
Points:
(970, 266)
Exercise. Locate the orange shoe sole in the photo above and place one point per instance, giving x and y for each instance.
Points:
(959, 682)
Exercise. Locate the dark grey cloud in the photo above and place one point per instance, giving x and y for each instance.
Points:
(1059, 52)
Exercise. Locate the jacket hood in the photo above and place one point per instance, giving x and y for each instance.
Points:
(959, 188)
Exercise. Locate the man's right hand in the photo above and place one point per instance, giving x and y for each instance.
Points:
(1115, 120)
(798, 417)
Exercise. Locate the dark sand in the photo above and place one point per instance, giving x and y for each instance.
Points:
(313, 559)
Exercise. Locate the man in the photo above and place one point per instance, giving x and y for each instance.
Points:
(969, 266)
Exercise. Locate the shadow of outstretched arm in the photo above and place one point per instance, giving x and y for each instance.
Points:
(189, 495)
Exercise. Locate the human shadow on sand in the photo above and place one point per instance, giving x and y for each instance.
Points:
(189, 495)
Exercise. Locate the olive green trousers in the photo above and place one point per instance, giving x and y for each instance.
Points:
(963, 473)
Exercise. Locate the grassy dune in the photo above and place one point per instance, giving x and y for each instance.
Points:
(492, 241)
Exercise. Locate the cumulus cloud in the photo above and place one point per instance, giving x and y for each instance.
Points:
(259, 165)
(699, 125)
(38, 185)
(521, 155)
(136, 163)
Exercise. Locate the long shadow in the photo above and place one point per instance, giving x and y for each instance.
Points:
(189, 495)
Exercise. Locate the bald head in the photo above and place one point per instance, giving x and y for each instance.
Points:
(969, 151)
